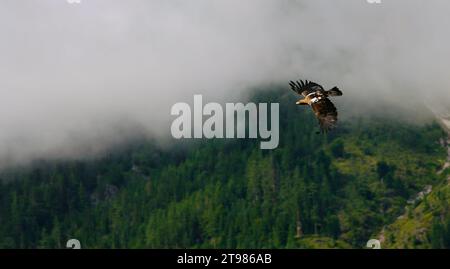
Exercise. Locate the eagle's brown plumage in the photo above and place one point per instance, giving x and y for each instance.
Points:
(316, 97)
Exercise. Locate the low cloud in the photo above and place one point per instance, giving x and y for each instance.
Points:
(76, 79)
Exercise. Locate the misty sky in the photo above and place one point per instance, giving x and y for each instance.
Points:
(76, 79)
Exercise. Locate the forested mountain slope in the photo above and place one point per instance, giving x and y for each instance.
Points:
(426, 221)
(313, 191)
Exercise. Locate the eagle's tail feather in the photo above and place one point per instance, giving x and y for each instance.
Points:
(334, 92)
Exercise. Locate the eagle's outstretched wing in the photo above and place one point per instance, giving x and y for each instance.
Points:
(326, 113)
(305, 88)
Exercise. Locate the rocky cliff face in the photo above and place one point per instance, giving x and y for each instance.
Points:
(443, 115)
(445, 122)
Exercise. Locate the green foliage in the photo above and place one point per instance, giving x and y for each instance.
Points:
(337, 148)
(314, 191)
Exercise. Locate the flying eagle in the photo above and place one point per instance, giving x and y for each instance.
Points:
(316, 97)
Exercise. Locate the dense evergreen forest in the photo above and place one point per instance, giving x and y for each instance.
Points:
(335, 190)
